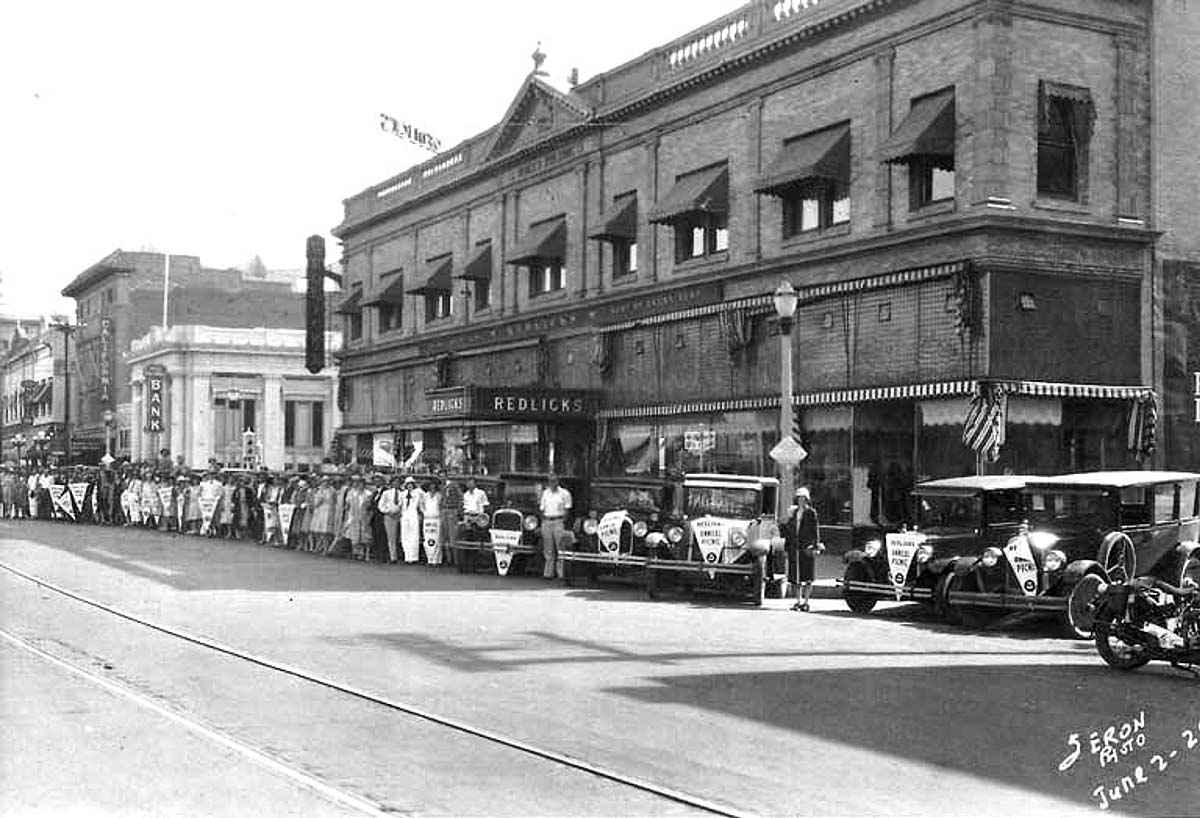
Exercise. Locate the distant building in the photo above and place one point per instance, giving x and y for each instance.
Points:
(13, 326)
(120, 298)
(31, 391)
(197, 390)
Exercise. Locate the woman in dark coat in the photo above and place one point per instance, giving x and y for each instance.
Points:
(802, 535)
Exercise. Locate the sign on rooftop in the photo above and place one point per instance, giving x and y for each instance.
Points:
(402, 130)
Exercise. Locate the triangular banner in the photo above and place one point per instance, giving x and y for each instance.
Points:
(164, 497)
(286, 512)
(62, 500)
(79, 493)
(430, 529)
(208, 507)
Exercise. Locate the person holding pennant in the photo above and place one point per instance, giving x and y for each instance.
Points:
(356, 518)
(320, 525)
(287, 511)
(431, 522)
(271, 496)
(412, 500)
(226, 526)
(210, 501)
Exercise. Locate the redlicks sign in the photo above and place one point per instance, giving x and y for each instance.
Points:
(389, 124)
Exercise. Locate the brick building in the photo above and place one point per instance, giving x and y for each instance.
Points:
(120, 298)
(32, 364)
(965, 193)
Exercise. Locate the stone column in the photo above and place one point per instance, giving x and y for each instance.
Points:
(270, 428)
(987, 167)
(200, 422)
(137, 417)
(178, 436)
(885, 62)
(1133, 129)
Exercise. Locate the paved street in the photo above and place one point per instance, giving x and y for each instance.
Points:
(743, 710)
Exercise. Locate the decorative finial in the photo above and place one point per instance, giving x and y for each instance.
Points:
(573, 77)
(538, 59)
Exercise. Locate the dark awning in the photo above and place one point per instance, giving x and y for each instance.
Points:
(479, 265)
(705, 191)
(352, 303)
(926, 133)
(622, 225)
(822, 155)
(544, 242)
(40, 392)
(391, 293)
(437, 276)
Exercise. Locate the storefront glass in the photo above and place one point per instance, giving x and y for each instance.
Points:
(723, 442)
(883, 472)
(825, 433)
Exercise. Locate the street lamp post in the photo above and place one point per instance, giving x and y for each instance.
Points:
(40, 440)
(788, 454)
(19, 442)
(108, 423)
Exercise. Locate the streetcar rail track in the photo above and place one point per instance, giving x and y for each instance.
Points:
(492, 736)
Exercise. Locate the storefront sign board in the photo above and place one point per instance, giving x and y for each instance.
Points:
(156, 376)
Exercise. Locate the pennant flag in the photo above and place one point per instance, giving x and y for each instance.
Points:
(433, 548)
(62, 500)
(79, 493)
(986, 421)
(208, 507)
(286, 512)
(164, 497)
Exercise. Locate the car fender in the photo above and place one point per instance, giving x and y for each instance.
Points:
(941, 565)
(1077, 570)
(1172, 563)
(854, 556)
(964, 566)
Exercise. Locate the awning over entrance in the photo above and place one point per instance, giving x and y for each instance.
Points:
(391, 293)
(926, 133)
(824, 155)
(437, 276)
(705, 191)
(352, 303)
(39, 393)
(622, 225)
(546, 241)
(479, 265)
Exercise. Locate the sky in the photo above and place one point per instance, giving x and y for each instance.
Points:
(227, 130)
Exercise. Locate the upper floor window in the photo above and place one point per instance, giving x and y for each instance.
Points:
(351, 308)
(389, 301)
(697, 207)
(303, 424)
(389, 316)
(1065, 120)
(437, 288)
(542, 252)
(811, 176)
(924, 142)
(478, 270)
(620, 231)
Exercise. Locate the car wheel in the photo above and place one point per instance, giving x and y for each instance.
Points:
(567, 575)
(1079, 618)
(1115, 651)
(941, 602)
(858, 601)
(972, 617)
(652, 585)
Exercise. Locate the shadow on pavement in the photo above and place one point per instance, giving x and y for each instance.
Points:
(1008, 723)
(531, 648)
(190, 563)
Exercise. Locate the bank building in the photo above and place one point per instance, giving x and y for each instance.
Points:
(982, 205)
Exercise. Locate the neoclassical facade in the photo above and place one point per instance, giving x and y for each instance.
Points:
(197, 390)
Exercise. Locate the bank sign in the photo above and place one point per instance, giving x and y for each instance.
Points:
(516, 404)
(156, 377)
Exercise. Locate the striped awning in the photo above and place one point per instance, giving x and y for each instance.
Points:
(693, 408)
(939, 389)
(1077, 390)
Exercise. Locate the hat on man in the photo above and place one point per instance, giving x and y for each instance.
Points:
(803, 492)
(409, 481)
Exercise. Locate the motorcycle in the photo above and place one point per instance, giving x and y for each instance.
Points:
(1147, 620)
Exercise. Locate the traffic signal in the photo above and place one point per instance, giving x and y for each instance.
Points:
(314, 306)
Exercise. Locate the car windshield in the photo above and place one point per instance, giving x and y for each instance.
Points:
(739, 503)
(1071, 508)
(948, 512)
(522, 495)
(642, 499)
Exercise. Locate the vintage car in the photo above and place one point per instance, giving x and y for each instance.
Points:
(953, 516)
(728, 530)
(610, 537)
(513, 539)
(1084, 530)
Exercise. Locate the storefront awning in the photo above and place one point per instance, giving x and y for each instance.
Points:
(622, 225)
(822, 155)
(546, 241)
(926, 133)
(1077, 390)
(39, 393)
(351, 304)
(391, 293)
(479, 265)
(705, 191)
(437, 276)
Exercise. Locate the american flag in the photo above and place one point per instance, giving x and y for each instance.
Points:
(986, 420)
(1143, 426)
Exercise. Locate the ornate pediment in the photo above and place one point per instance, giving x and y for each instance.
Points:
(538, 111)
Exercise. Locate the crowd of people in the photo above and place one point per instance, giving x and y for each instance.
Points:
(357, 514)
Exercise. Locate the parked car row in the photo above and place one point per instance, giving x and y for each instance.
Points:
(986, 545)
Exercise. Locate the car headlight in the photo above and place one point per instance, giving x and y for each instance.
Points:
(872, 548)
(1054, 560)
(654, 516)
(924, 554)
(590, 526)
(530, 522)
(675, 534)
(990, 557)
(1041, 539)
(640, 529)
(738, 539)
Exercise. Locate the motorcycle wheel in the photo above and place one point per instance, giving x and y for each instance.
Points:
(1112, 649)
(857, 601)
(1078, 620)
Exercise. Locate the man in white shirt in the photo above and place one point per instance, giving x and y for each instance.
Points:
(474, 504)
(389, 506)
(555, 504)
(412, 502)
